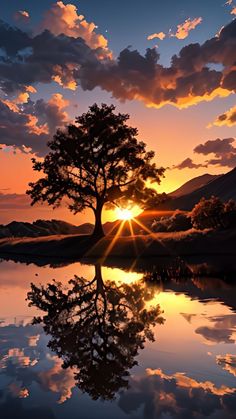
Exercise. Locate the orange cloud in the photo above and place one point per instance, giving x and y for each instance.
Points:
(183, 381)
(159, 35)
(17, 356)
(64, 18)
(58, 380)
(227, 362)
(183, 29)
(227, 118)
(17, 391)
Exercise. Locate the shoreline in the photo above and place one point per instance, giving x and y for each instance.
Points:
(214, 249)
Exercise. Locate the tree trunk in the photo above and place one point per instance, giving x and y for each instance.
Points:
(98, 276)
(98, 229)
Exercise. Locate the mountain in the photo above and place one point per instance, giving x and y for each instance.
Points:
(193, 184)
(41, 228)
(223, 186)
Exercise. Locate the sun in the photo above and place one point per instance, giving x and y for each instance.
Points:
(124, 214)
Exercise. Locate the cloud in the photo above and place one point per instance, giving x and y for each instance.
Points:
(22, 16)
(27, 60)
(18, 357)
(31, 125)
(227, 118)
(221, 332)
(223, 150)
(159, 35)
(218, 147)
(183, 29)
(57, 379)
(233, 7)
(188, 164)
(177, 395)
(64, 19)
(227, 362)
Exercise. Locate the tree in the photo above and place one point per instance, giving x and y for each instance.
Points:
(208, 213)
(96, 161)
(96, 328)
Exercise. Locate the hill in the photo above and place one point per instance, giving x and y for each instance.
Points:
(42, 228)
(193, 184)
(223, 186)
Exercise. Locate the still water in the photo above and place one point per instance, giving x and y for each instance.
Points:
(115, 344)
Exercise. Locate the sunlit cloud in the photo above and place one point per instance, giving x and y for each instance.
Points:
(189, 79)
(57, 379)
(182, 380)
(159, 35)
(17, 391)
(177, 395)
(227, 118)
(227, 362)
(22, 16)
(25, 124)
(184, 28)
(64, 18)
(17, 357)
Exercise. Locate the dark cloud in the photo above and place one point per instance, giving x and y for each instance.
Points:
(41, 58)
(222, 330)
(31, 124)
(224, 151)
(188, 164)
(218, 147)
(69, 60)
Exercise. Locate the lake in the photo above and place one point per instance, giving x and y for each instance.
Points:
(115, 344)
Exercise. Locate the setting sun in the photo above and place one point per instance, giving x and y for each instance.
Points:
(127, 213)
(124, 213)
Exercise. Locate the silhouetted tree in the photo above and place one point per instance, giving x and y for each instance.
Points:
(207, 213)
(96, 328)
(213, 213)
(94, 162)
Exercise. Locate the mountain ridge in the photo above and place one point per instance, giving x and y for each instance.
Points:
(223, 187)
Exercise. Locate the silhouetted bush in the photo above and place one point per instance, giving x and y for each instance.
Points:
(179, 221)
(213, 213)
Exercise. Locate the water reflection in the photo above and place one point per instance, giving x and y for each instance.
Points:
(96, 328)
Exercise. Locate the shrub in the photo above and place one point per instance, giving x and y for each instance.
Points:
(179, 221)
(213, 213)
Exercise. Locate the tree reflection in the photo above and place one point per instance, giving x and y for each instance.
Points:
(97, 328)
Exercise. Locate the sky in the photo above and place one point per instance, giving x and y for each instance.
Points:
(169, 64)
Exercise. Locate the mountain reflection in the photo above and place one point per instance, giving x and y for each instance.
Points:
(96, 328)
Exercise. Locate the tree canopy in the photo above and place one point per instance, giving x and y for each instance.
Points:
(95, 162)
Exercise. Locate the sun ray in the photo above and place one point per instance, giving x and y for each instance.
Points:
(133, 236)
(114, 240)
(154, 238)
